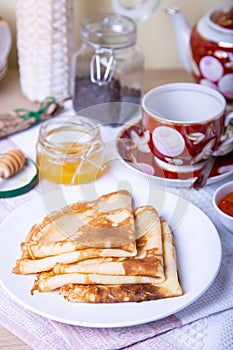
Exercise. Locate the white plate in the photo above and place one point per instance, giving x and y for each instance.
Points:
(198, 253)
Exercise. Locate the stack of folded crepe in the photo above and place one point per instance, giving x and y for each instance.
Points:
(102, 251)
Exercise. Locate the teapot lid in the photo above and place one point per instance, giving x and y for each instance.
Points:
(138, 10)
(210, 28)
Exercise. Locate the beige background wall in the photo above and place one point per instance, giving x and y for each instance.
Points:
(155, 35)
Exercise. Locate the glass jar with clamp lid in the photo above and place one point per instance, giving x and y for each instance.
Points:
(108, 67)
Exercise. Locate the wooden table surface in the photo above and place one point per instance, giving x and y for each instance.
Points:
(11, 97)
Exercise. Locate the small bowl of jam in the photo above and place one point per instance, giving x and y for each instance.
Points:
(223, 204)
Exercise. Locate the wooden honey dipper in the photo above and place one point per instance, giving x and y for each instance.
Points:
(11, 163)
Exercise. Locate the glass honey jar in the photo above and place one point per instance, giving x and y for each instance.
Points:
(70, 150)
(108, 67)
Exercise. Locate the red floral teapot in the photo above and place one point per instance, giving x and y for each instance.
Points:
(206, 50)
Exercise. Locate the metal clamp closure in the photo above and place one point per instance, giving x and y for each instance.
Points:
(102, 66)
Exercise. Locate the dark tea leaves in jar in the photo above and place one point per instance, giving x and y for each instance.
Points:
(88, 94)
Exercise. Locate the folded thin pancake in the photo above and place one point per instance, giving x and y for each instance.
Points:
(146, 267)
(98, 293)
(104, 223)
(28, 266)
(100, 228)
(112, 230)
(147, 262)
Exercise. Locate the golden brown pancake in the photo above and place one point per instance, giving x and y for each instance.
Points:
(104, 227)
(147, 262)
(97, 293)
(102, 252)
(147, 267)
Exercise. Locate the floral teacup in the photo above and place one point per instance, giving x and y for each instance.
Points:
(186, 122)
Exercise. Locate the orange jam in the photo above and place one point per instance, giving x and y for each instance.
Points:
(70, 151)
(226, 204)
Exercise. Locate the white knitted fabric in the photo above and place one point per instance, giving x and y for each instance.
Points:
(45, 42)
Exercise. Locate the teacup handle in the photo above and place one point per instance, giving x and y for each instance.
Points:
(228, 118)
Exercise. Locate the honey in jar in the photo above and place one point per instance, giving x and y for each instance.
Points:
(70, 150)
